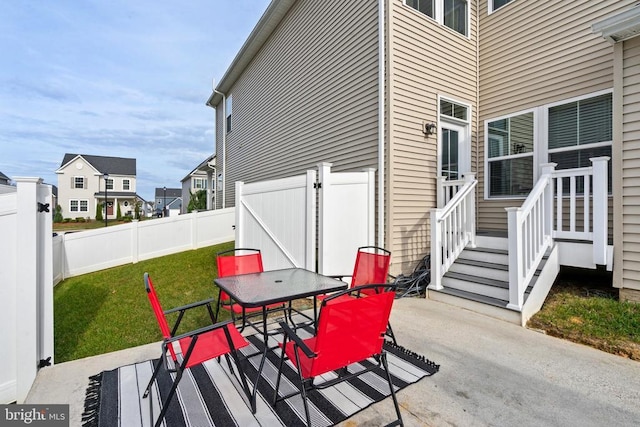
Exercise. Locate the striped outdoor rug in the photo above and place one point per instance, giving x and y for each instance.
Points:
(209, 395)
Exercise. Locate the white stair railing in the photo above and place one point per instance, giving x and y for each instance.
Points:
(446, 189)
(529, 228)
(532, 227)
(453, 227)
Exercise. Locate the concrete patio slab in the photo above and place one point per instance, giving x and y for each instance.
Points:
(491, 373)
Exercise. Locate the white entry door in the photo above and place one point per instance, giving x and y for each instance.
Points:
(454, 151)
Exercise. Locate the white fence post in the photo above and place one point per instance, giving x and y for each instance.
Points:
(135, 248)
(239, 215)
(516, 266)
(311, 221)
(600, 209)
(34, 273)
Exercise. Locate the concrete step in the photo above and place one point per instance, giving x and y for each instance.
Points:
(488, 306)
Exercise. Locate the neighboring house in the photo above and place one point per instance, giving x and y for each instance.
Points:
(487, 91)
(169, 201)
(5, 184)
(81, 186)
(200, 178)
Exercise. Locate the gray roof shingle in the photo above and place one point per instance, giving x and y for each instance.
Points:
(104, 164)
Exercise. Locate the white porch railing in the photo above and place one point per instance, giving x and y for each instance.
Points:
(453, 227)
(531, 226)
(446, 189)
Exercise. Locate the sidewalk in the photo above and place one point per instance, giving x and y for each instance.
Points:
(491, 373)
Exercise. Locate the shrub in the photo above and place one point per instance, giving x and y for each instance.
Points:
(57, 217)
(127, 219)
(118, 213)
(66, 220)
(80, 219)
(99, 216)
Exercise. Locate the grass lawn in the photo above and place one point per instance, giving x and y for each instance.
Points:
(108, 310)
(584, 308)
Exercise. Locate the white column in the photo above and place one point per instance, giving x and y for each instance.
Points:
(600, 209)
(324, 181)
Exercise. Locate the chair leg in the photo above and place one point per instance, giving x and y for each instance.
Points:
(383, 358)
(156, 369)
(303, 388)
(275, 391)
(391, 334)
(167, 401)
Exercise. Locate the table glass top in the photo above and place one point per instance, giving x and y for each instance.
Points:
(257, 289)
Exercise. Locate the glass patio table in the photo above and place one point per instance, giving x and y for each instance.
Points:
(275, 286)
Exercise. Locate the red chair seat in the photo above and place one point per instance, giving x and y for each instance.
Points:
(211, 345)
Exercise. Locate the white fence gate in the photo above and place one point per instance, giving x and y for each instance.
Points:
(279, 218)
(26, 291)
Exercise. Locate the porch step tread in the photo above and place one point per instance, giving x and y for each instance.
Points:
(482, 280)
(482, 264)
(487, 250)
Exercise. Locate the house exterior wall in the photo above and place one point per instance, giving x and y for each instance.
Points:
(425, 60)
(309, 95)
(627, 250)
(94, 184)
(552, 56)
(67, 192)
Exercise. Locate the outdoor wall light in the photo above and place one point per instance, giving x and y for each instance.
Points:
(428, 128)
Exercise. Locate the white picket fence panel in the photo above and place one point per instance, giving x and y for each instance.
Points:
(93, 250)
(279, 218)
(26, 291)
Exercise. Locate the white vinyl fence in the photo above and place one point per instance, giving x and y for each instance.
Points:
(26, 289)
(279, 218)
(94, 250)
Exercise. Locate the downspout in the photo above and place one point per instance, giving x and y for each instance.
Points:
(381, 92)
(224, 147)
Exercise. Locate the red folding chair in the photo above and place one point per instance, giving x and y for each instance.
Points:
(240, 261)
(349, 330)
(196, 347)
(372, 266)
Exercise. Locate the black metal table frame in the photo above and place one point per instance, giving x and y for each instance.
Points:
(276, 286)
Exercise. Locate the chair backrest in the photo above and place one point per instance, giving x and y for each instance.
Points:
(372, 266)
(157, 310)
(239, 261)
(351, 329)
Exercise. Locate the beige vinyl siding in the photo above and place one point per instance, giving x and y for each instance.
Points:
(535, 53)
(424, 60)
(630, 168)
(309, 95)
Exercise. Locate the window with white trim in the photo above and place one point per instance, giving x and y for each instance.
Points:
(510, 155)
(497, 4)
(78, 182)
(109, 183)
(200, 183)
(78, 206)
(570, 134)
(581, 130)
(126, 184)
(450, 13)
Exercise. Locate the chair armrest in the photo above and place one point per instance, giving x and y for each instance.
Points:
(296, 339)
(190, 306)
(199, 331)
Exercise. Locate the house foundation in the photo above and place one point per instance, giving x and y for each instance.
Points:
(632, 295)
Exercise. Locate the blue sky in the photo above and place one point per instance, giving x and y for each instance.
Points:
(125, 78)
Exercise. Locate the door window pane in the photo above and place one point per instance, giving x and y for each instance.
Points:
(450, 166)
